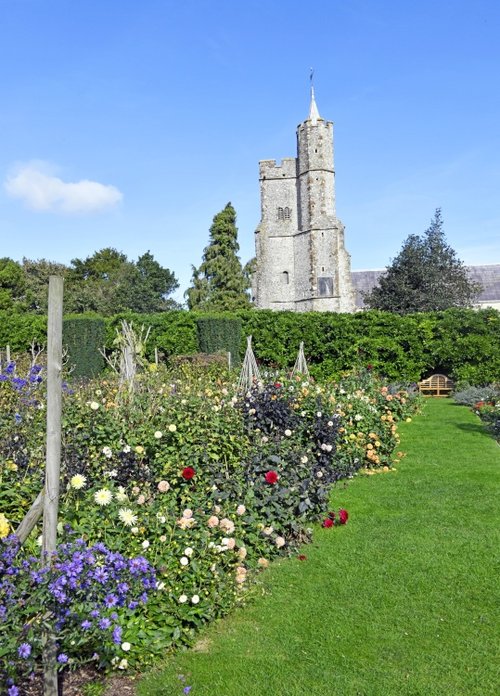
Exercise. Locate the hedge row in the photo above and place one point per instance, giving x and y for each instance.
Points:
(464, 344)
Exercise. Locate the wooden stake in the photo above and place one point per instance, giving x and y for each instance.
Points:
(53, 457)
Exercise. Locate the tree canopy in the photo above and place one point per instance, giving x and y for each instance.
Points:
(106, 282)
(425, 276)
(220, 283)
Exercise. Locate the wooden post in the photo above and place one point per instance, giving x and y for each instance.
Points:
(7, 353)
(53, 458)
(156, 357)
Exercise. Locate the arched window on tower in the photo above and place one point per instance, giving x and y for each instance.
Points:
(281, 214)
(285, 278)
(287, 213)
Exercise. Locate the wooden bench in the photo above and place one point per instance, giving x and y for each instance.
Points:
(436, 385)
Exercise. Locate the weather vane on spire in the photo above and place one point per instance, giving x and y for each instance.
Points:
(311, 75)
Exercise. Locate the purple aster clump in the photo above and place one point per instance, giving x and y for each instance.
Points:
(75, 586)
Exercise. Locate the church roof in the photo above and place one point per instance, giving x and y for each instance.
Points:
(488, 276)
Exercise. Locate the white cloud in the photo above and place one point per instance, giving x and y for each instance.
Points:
(40, 189)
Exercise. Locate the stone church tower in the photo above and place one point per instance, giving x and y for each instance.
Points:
(301, 261)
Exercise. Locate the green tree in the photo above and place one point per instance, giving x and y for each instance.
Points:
(220, 283)
(37, 275)
(108, 283)
(12, 285)
(425, 276)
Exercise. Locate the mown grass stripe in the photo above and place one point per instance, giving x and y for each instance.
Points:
(402, 600)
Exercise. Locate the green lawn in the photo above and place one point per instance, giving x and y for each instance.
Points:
(402, 600)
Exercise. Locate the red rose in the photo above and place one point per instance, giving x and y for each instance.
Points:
(343, 516)
(271, 477)
(328, 522)
(277, 385)
(302, 557)
(188, 473)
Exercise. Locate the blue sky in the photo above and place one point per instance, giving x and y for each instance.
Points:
(131, 124)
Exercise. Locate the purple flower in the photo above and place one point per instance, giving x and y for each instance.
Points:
(110, 600)
(62, 658)
(117, 635)
(13, 691)
(86, 624)
(24, 650)
(104, 624)
(186, 689)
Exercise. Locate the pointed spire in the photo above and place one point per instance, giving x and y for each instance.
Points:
(313, 109)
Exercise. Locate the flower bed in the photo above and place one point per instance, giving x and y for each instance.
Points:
(198, 486)
(485, 402)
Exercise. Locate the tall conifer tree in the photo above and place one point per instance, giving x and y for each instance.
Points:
(425, 276)
(220, 282)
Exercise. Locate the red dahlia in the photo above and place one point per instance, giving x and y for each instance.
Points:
(328, 522)
(188, 473)
(271, 477)
(343, 516)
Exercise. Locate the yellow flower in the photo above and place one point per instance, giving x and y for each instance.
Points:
(4, 526)
(139, 449)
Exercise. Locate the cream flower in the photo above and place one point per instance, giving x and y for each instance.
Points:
(94, 405)
(227, 525)
(120, 495)
(188, 552)
(195, 599)
(163, 486)
(288, 432)
(103, 496)
(126, 646)
(184, 561)
(145, 544)
(107, 451)
(158, 434)
(240, 510)
(123, 664)
(182, 599)
(279, 541)
(78, 481)
(187, 513)
(213, 521)
(172, 428)
(127, 517)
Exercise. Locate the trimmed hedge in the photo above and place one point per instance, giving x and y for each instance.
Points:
(83, 336)
(462, 343)
(216, 333)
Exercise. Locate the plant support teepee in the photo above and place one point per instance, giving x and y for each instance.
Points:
(249, 374)
(300, 367)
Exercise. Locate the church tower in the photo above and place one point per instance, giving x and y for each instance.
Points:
(302, 263)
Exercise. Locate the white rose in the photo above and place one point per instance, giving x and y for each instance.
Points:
(184, 561)
(195, 599)
(126, 646)
(183, 599)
